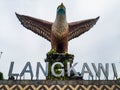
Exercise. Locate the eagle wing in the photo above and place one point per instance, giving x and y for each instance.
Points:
(38, 26)
(79, 27)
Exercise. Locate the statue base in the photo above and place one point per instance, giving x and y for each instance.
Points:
(53, 57)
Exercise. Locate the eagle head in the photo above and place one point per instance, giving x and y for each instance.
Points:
(61, 10)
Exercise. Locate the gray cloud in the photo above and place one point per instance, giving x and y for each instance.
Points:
(100, 44)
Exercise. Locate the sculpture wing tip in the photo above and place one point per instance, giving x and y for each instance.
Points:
(17, 14)
(97, 17)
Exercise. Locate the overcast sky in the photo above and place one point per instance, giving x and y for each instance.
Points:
(99, 45)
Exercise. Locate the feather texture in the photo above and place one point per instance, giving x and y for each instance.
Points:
(38, 26)
(79, 27)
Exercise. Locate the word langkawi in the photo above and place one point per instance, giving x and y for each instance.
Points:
(85, 70)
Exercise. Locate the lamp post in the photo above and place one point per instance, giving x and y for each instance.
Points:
(1, 74)
(1, 54)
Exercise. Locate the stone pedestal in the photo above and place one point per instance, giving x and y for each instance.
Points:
(58, 57)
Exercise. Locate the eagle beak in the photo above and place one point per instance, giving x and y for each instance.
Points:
(62, 6)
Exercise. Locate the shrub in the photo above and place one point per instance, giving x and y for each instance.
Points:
(1, 76)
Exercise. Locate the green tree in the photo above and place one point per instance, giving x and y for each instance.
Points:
(1, 76)
(118, 79)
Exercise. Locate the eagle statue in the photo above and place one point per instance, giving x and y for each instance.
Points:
(59, 32)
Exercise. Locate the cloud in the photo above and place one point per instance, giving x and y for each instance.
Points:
(99, 44)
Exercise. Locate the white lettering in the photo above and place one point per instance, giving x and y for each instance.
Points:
(61, 70)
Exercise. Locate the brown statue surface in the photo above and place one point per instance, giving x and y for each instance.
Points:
(59, 32)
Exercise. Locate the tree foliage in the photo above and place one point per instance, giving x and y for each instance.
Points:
(1, 76)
